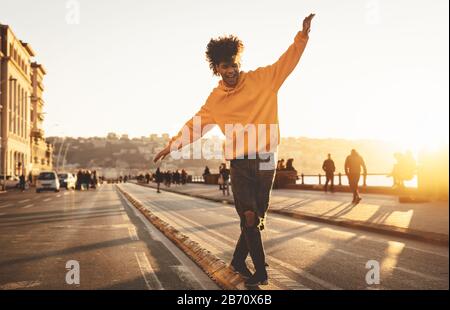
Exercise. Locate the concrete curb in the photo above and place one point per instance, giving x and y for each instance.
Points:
(213, 266)
(435, 238)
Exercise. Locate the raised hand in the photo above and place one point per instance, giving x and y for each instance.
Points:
(307, 24)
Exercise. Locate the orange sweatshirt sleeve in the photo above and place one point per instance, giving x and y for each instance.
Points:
(280, 70)
(193, 129)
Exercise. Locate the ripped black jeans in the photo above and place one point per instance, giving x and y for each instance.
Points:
(251, 182)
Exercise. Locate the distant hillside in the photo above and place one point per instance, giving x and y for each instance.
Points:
(137, 154)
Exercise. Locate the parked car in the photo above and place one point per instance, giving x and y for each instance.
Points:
(10, 181)
(47, 180)
(67, 180)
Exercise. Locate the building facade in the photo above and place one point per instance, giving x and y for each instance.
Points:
(41, 151)
(21, 108)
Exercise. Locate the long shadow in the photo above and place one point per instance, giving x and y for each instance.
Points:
(380, 215)
(350, 273)
(290, 234)
(297, 204)
(72, 250)
(60, 219)
(51, 214)
(349, 207)
(165, 258)
(200, 227)
(66, 212)
(171, 204)
(332, 209)
(153, 245)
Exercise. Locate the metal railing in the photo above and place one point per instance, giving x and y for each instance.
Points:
(320, 179)
(198, 179)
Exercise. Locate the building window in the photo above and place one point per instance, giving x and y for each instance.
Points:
(22, 106)
(25, 116)
(10, 105)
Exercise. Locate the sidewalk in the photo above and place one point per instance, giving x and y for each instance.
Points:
(380, 213)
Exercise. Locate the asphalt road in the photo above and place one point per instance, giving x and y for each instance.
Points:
(112, 243)
(305, 254)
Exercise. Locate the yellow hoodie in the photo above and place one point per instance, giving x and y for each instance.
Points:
(248, 111)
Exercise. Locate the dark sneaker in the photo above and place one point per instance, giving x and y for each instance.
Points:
(257, 280)
(242, 270)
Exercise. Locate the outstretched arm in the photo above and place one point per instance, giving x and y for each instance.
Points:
(193, 132)
(280, 70)
(347, 166)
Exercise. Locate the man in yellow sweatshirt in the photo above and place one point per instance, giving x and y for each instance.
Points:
(244, 105)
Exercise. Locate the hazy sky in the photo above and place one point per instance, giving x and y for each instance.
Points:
(372, 69)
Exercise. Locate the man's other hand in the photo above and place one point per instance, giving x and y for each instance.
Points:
(161, 155)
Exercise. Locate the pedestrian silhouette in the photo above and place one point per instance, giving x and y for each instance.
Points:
(158, 179)
(225, 176)
(329, 168)
(353, 164)
(404, 169)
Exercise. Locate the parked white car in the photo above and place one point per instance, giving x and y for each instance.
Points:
(47, 181)
(10, 181)
(67, 180)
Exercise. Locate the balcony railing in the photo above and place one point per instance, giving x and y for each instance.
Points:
(37, 133)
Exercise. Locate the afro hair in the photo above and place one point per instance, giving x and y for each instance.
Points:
(223, 49)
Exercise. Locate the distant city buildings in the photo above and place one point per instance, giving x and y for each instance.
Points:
(23, 145)
(112, 151)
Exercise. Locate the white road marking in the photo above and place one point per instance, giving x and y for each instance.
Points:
(185, 275)
(349, 253)
(59, 195)
(6, 206)
(47, 199)
(28, 206)
(284, 280)
(283, 218)
(25, 200)
(305, 274)
(2, 214)
(133, 234)
(373, 288)
(150, 278)
(420, 274)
